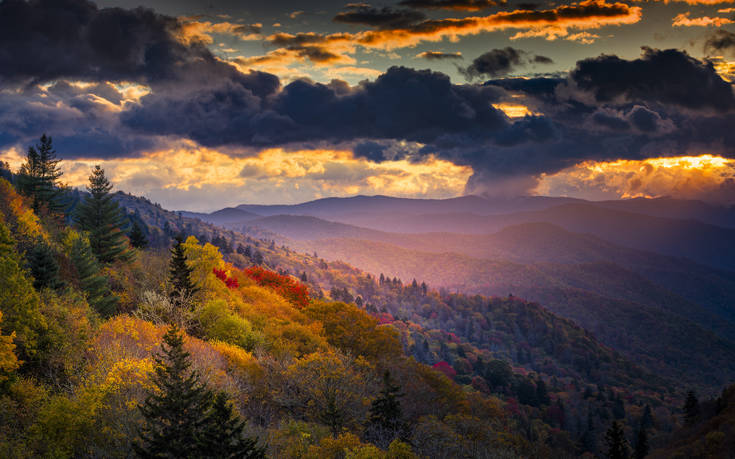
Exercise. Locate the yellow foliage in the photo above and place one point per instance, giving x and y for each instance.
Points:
(8, 360)
(19, 216)
(203, 259)
(241, 362)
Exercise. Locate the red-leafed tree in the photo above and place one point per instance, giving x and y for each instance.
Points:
(293, 291)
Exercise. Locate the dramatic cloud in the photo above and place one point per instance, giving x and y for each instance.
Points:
(669, 77)
(721, 41)
(383, 18)
(195, 29)
(570, 22)
(706, 177)
(461, 5)
(438, 55)
(684, 20)
(500, 62)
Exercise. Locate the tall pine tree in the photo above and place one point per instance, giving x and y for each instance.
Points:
(95, 285)
(691, 408)
(224, 437)
(180, 273)
(617, 445)
(137, 236)
(385, 423)
(44, 267)
(183, 418)
(39, 176)
(641, 444)
(102, 218)
(175, 415)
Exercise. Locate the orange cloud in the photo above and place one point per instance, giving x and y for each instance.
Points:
(191, 30)
(187, 175)
(705, 177)
(569, 22)
(683, 20)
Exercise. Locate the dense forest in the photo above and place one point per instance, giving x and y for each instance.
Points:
(128, 330)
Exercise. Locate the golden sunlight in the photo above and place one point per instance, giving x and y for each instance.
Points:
(692, 177)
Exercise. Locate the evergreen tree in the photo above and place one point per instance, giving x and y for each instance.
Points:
(44, 267)
(102, 218)
(641, 444)
(39, 176)
(180, 272)
(91, 281)
(542, 395)
(177, 414)
(647, 418)
(303, 277)
(617, 446)
(385, 422)
(691, 408)
(137, 236)
(224, 437)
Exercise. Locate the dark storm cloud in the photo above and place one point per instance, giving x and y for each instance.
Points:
(382, 18)
(461, 5)
(438, 55)
(720, 41)
(662, 76)
(498, 62)
(664, 102)
(43, 40)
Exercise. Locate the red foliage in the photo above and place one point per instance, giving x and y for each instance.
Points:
(293, 291)
(230, 282)
(385, 318)
(445, 368)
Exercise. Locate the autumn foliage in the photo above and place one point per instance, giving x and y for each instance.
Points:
(230, 282)
(293, 291)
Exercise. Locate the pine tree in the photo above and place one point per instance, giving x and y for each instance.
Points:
(617, 446)
(303, 277)
(641, 444)
(180, 272)
(542, 395)
(102, 218)
(385, 422)
(691, 408)
(44, 267)
(176, 415)
(224, 437)
(91, 281)
(39, 176)
(137, 236)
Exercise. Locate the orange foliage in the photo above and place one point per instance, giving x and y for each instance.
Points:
(293, 291)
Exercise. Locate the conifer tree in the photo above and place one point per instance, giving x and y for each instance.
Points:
(92, 282)
(39, 176)
(542, 395)
(176, 415)
(617, 446)
(44, 267)
(641, 444)
(180, 272)
(137, 236)
(102, 218)
(691, 408)
(224, 437)
(385, 422)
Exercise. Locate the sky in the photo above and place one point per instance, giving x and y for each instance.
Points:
(200, 105)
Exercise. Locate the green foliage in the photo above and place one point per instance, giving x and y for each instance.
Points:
(44, 267)
(385, 422)
(617, 445)
(180, 273)
(103, 220)
(691, 408)
(224, 437)
(641, 444)
(39, 176)
(218, 322)
(92, 282)
(175, 414)
(183, 418)
(137, 236)
(18, 300)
